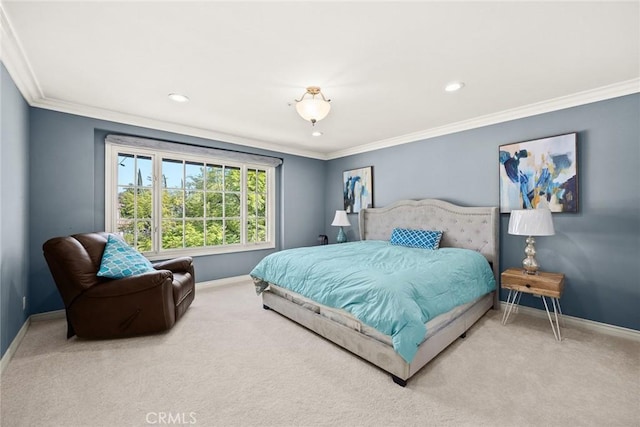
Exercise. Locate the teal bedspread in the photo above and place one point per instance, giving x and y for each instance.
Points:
(394, 289)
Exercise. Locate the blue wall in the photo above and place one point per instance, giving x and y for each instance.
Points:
(52, 170)
(598, 249)
(66, 195)
(14, 213)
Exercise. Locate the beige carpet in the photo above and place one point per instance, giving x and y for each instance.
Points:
(228, 362)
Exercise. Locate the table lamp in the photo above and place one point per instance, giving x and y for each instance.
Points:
(341, 220)
(531, 222)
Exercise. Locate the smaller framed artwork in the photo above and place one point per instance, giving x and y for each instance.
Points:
(532, 172)
(357, 188)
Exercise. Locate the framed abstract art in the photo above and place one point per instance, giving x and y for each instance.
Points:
(539, 170)
(357, 189)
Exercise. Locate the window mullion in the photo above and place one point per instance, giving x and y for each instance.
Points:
(184, 204)
(243, 205)
(204, 202)
(136, 189)
(156, 214)
(111, 156)
(270, 207)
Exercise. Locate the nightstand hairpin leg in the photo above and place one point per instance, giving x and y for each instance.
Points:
(560, 311)
(518, 302)
(511, 301)
(556, 301)
(557, 325)
(506, 308)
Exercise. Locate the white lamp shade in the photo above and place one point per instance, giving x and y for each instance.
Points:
(531, 222)
(313, 109)
(341, 219)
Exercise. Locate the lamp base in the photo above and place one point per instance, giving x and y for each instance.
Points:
(342, 238)
(530, 264)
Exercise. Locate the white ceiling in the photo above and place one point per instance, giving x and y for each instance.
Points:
(383, 64)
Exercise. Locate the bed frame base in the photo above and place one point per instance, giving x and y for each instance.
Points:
(399, 381)
(474, 228)
(372, 350)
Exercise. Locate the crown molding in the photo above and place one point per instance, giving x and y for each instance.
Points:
(146, 122)
(581, 98)
(17, 64)
(13, 57)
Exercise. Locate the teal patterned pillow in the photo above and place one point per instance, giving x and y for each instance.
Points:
(426, 239)
(120, 260)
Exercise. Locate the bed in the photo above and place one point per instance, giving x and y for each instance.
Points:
(472, 229)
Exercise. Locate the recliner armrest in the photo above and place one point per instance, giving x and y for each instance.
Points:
(175, 265)
(130, 285)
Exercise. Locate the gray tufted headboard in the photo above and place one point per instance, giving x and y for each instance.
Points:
(473, 228)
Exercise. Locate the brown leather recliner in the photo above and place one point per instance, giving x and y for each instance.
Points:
(98, 307)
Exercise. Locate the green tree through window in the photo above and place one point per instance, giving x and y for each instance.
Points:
(134, 218)
(201, 204)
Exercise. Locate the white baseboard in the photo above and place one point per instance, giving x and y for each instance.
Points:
(60, 314)
(224, 282)
(13, 347)
(569, 320)
(578, 322)
(49, 315)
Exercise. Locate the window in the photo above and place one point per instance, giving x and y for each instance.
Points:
(168, 203)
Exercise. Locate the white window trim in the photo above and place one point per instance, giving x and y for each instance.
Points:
(111, 198)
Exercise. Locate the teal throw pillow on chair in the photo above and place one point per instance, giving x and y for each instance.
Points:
(120, 260)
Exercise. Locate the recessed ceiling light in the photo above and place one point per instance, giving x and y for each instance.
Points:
(454, 86)
(177, 97)
(316, 133)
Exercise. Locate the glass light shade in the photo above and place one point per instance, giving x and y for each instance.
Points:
(313, 109)
(531, 222)
(341, 219)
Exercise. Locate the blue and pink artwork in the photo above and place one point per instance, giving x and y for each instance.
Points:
(539, 171)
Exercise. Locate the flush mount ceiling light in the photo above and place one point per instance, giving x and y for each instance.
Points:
(454, 86)
(177, 97)
(316, 133)
(314, 107)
